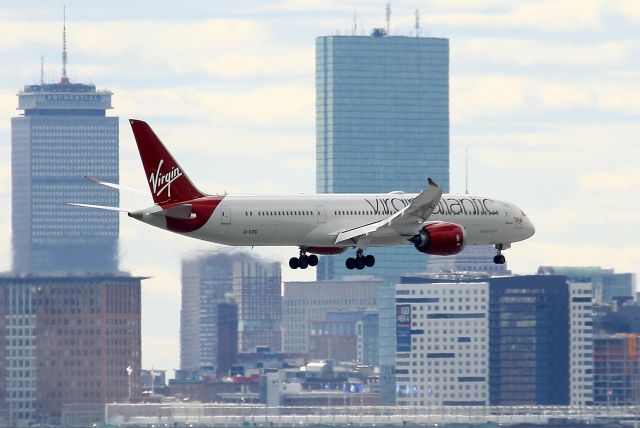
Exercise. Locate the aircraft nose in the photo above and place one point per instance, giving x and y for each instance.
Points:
(529, 227)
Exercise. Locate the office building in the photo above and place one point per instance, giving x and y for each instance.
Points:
(304, 302)
(382, 124)
(257, 291)
(387, 343)
(335, 337)
(616, 370)
(63, 135)
(529, 338)
(474, 258)
(607, 285)
(367, 331)
(67, 340)
(442, 332)
(250, 284)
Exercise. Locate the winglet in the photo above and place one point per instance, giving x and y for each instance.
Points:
(431, 182)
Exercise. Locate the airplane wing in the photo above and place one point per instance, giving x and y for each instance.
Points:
(403, 222)
(115, 186)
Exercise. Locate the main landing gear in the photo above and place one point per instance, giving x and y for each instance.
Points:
(303, 261)
(360, 262)
(499, 258)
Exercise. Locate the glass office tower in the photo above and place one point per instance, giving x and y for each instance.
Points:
(63, 135)
(382, 124)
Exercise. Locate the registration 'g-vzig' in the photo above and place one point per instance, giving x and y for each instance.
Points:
(321, 224)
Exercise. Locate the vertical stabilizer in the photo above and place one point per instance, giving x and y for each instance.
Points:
(167, 181)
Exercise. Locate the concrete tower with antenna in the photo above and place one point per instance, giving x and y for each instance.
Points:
(45, 166)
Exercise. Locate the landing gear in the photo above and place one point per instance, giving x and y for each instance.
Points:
(499, 258)
(303, 261)
(360, 261)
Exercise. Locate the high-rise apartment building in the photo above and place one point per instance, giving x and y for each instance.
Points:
(304, 302)
(251, 283)
(67, 339)
(382, 124)
(581, 344)
(63, 135)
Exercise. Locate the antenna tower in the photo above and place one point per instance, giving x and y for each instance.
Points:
(64, 78)
(41, 69)
(417, 23)
(388, 18)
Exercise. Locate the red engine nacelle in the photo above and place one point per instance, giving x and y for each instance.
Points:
(441, 239)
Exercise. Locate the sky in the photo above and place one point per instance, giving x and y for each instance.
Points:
(545, 97)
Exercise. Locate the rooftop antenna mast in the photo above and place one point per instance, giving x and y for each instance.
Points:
(417, 23)
(388, 18)
(355, 23)
(42, 69)
(64, 78)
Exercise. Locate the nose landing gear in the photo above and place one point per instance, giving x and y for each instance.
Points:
(360, 261)
(303, 261)
(499, 258)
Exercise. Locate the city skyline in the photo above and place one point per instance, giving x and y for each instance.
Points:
(544, 97)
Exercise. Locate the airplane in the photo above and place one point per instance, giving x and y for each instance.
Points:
(320, 224)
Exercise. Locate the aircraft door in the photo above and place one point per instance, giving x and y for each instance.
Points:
(320, 214)
(226, 215)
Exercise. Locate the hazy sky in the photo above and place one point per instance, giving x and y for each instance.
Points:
(545, 95)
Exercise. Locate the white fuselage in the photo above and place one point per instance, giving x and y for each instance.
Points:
(316, 220)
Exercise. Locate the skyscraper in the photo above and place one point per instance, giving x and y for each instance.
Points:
(63, 135)
(250, 283)
(382, 124)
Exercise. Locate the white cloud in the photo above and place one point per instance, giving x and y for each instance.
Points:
(617, 181)
(556, 16)
(535, 52)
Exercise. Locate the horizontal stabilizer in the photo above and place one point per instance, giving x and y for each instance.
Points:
(183, 212)
(115, 186)
(101, 207)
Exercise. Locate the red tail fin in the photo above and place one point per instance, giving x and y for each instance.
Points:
(167, 181)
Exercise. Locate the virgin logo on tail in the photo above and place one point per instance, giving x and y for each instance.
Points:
(160, 182)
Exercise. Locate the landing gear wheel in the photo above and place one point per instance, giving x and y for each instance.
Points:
(294, 263)
(313, 260)
(369, 260)
(304, 262)
(499, 259)
(360, 263)
(350, 263)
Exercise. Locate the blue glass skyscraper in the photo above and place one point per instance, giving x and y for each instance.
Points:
(382, 124)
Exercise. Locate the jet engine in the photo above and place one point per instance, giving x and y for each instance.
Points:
(441, 239)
